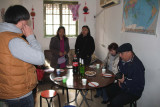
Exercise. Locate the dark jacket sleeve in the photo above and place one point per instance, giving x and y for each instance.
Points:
(134, 80)
(92, 48)
(67, 46)
(54, 46)
(77, 44)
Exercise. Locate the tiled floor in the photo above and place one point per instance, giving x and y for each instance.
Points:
(45, 86)
(95, 103)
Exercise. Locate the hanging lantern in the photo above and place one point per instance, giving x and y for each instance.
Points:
(33, 15)
(85, 10)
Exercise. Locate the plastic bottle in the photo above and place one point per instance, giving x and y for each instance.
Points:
(75, 64)
(82, 68)
(79, 67)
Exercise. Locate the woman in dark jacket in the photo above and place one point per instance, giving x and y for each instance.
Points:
(59, 46)
(85, 46)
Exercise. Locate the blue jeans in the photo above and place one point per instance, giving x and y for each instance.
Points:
(102, 92)
(24, 102)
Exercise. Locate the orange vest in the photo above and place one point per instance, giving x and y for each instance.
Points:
(17, 77)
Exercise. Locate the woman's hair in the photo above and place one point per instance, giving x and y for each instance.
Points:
(113, 46)
(16, 13)
(85, 26)
(61, 27)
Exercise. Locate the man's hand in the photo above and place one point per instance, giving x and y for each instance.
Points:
(27, 30)
(121, 80)
(119, 84)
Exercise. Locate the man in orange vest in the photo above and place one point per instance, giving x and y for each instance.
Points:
(17, 58)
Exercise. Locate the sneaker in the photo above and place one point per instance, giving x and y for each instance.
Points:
(96, 96)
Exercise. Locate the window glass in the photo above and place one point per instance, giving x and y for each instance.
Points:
(58, 14)
(49, 30)
(49, 19)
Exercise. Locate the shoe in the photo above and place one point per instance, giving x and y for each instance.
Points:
(108, 105)
(105, 102)
(96, 96)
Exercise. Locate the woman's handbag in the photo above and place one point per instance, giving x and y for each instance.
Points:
(61, 60)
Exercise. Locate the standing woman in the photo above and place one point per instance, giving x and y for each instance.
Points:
(59, 46)
(85, 46)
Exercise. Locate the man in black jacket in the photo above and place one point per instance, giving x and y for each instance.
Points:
(131, 84)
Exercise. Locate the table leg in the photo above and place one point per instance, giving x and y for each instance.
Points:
(84, 97)
(75, 99)
(40, 101)
(76, 94)
(67, 95)
(84, 94)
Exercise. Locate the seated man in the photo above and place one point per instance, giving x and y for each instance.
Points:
(131, 84)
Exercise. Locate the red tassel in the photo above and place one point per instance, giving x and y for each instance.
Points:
(33, 22)
(84, 18)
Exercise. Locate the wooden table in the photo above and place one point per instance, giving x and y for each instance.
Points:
(74, 81)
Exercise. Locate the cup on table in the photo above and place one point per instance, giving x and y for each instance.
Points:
(84, 81)
(98, 66)
(64, 79)
(103, 71)
(58, 71)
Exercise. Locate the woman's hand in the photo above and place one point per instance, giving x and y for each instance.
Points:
(65, 53)
(61, 54)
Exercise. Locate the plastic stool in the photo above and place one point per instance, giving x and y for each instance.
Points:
(49, 94)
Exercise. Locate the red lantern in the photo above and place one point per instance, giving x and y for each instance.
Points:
(85, 10)
(33, 14)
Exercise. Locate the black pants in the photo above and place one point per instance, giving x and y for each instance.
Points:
(118, 98)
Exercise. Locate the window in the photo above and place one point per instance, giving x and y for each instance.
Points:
(57, 13)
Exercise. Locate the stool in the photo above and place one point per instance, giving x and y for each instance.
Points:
(49, 94)
(134, 103)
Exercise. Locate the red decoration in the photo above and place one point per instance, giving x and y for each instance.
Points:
(33, 14)
(85, 10)
(40, 74)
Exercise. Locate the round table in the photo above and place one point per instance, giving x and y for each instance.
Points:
(74, 81)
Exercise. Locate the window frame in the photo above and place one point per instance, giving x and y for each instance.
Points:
(60, 5)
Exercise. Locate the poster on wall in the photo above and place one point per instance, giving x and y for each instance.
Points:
(140, 16)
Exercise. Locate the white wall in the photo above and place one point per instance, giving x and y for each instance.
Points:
(146, 47)
(39, 27)
(38, 6)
